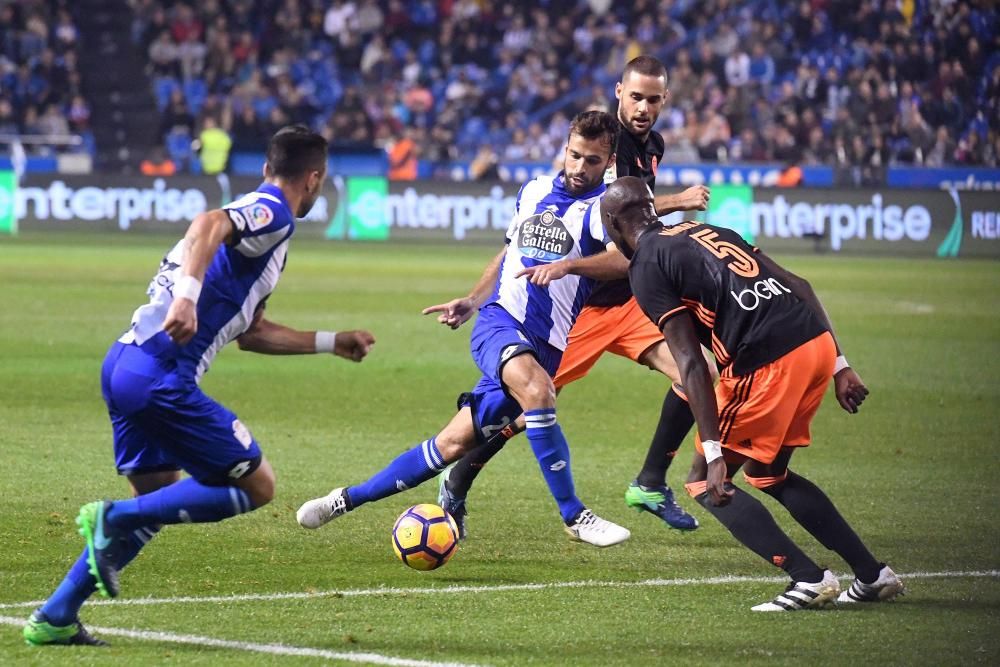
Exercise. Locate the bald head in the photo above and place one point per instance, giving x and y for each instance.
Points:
(626, 210)
(625, 193)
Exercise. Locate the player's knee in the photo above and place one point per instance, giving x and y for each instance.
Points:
(767, 484)
(541, 393)
(451, 445)
(260, 486)
(263, 493)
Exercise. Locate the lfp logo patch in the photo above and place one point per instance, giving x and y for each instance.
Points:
(258, 215)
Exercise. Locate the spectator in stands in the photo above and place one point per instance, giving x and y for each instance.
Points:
(337, 19)
(52, 123)
(248, 134)
(78, 114)
(157, 164)
(176, 115)
(163, 55)
(738, 68)
(484, 167)
(969, 151)
(29, 123)
(8, 122)
(213, 145)
(761, 66)
(64, 32)
(184, 24)
(403, 153)
(478, 61)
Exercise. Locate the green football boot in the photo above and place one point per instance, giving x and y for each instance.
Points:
(39, 632)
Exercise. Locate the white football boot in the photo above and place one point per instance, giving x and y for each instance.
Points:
(319, 511)
(885, 588)
(592, 529)
(802, 595)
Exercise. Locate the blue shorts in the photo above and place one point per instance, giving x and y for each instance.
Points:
(162, 421)
(496, 339)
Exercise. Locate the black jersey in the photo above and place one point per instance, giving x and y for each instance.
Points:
(632, 158)
(741, 311)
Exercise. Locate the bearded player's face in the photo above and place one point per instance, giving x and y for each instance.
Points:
(640, 100)
(586, 162)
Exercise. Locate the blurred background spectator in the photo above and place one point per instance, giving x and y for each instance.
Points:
(39, 79)
(854, 84)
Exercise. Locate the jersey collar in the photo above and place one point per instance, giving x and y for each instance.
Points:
(275, 191)
(560, 184)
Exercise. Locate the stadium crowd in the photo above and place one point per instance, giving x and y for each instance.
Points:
(40, 87)
(835, 82)
(849, 83)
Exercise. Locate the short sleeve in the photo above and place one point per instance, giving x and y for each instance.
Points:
(253, 215)
(516, 218)
(593, 238)
(595, 223)
(654, 291)
(259, 223)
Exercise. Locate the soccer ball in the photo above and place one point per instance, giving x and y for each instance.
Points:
(425, 537)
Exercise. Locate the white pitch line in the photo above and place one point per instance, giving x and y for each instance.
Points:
(498, 588)
(273, 649)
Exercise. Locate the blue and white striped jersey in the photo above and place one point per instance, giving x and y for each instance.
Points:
(549, 224)
(239, 279)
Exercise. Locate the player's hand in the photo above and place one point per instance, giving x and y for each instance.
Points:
(694, 198)
(353, 345)
(181, 323)
(717, 491)
(543, 274)
(851, 390)
(454, 314)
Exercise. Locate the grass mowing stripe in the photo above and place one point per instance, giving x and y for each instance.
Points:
(272, 649)
(499, 588)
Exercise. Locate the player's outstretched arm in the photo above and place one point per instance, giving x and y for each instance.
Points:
(680, 336)
(266, 337)
(694, 198)
(610, 265)
(206, 233)
(850, 389)
(457, 312)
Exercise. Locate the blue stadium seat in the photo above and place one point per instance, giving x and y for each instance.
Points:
(195, 92)
(163, 88)
(178, 144)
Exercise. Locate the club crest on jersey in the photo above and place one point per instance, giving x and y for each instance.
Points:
(544, 237)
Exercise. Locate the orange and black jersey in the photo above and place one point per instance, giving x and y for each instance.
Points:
(741, 310)
(633, 157)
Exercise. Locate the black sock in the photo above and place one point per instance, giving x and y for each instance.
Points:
(750, 523)
(808, 505)
(467, 468)
(676, 419)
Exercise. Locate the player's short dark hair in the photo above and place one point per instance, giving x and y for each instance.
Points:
(596, 125)
(647, 66)
(294, 151)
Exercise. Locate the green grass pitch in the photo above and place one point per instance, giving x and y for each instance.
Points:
(914, 472)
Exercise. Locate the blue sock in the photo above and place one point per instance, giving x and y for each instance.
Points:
(186, 501)
(63, 606)
(405, 472)
(552, 451)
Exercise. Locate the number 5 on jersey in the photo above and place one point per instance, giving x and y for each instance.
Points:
(742, 264)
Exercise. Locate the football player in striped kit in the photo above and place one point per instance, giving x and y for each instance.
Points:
(524, 317)
(210, 290)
